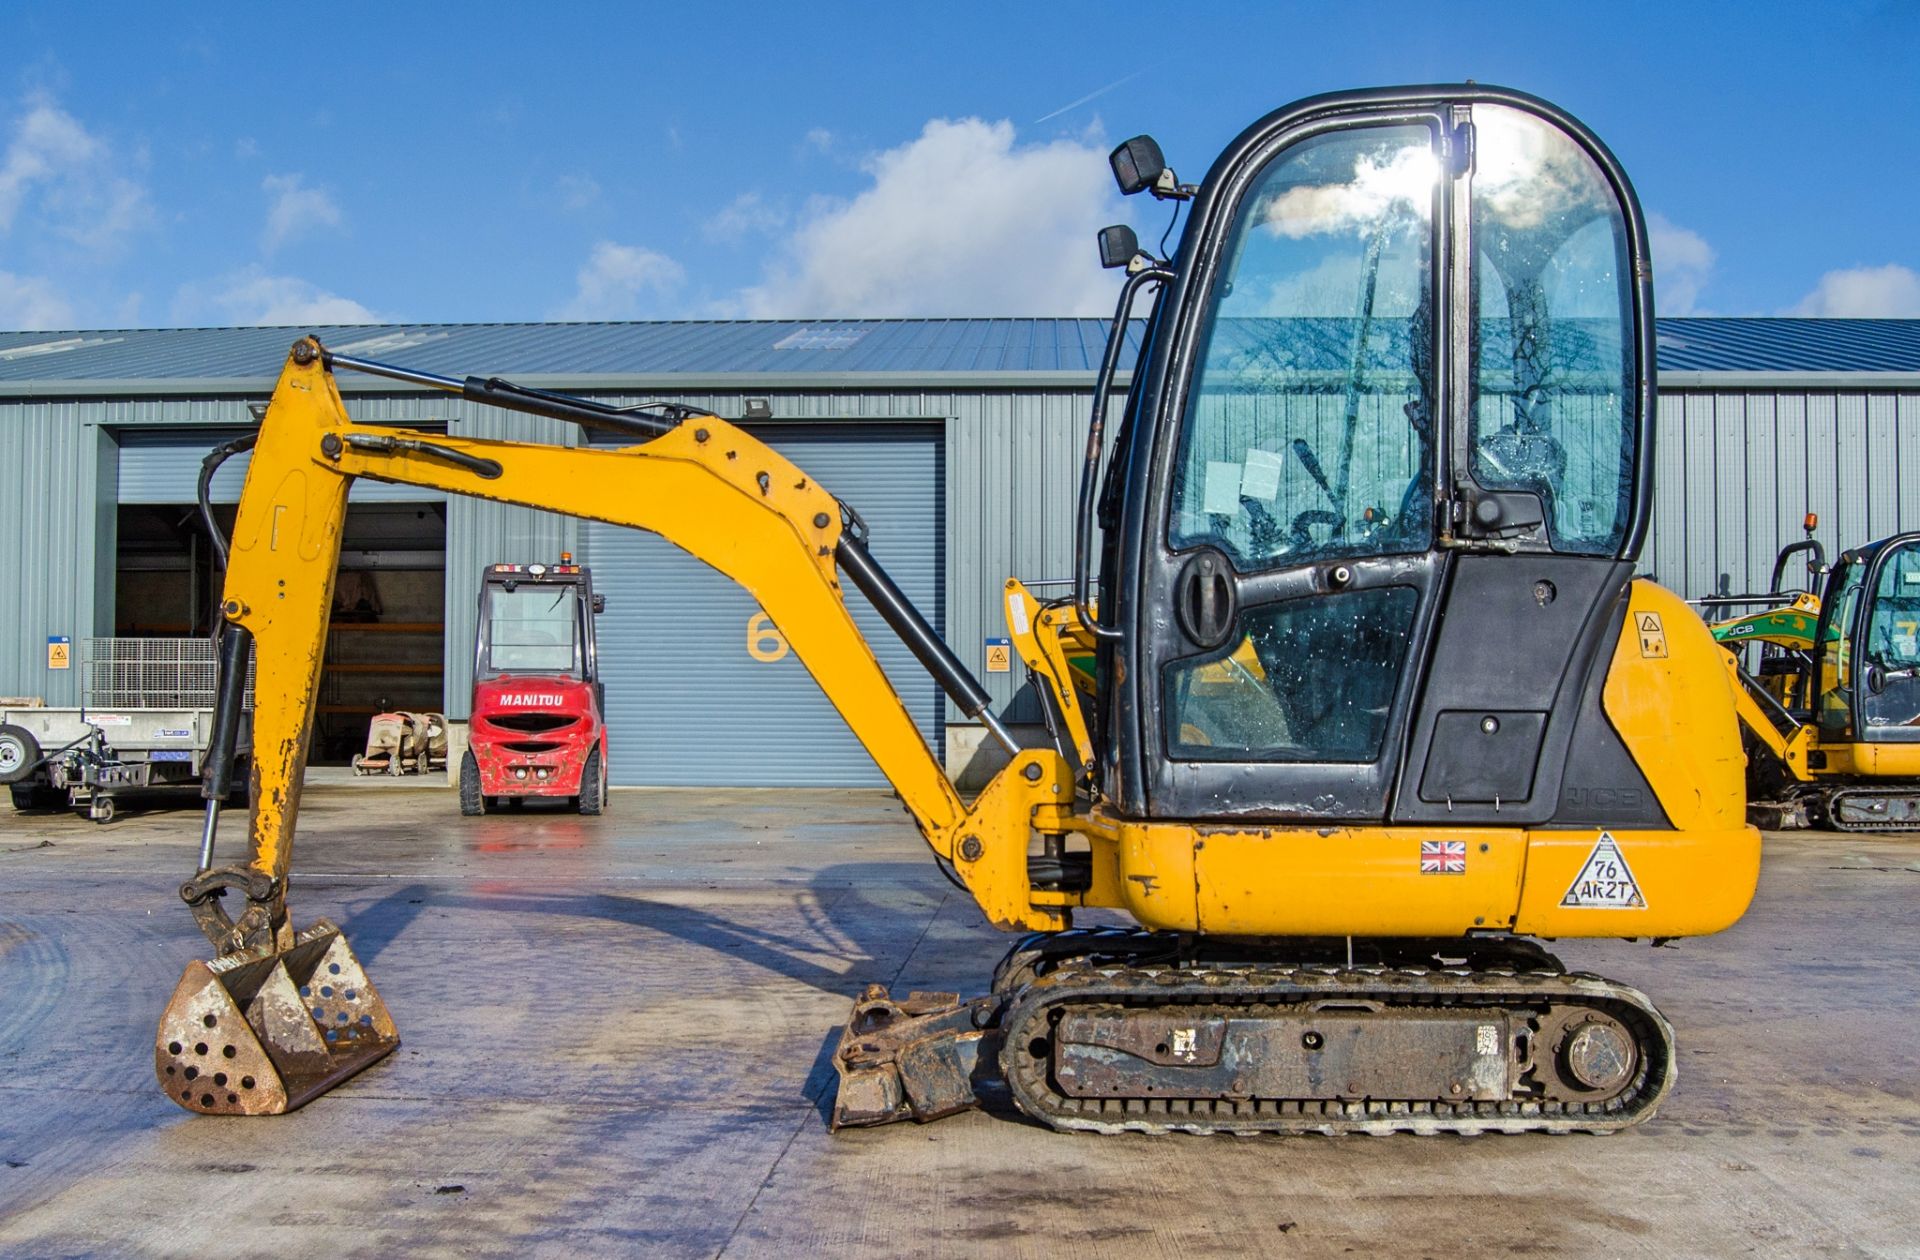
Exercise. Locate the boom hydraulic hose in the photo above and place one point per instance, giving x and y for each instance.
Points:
(231, 644)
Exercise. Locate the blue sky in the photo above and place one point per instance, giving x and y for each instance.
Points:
(216, 164)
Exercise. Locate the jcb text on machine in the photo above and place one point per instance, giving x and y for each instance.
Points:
(1355, 693)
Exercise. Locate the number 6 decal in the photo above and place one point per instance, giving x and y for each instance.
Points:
(764, 640)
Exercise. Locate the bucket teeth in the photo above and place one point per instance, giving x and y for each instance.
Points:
(261, 1032)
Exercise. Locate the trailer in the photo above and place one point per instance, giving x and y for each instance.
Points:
(145, 727)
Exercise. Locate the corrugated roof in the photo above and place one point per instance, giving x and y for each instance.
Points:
(942, 348)
(701, 349)
(1789, 345)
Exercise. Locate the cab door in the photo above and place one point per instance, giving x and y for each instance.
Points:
(1296, 560)
(1393, 398)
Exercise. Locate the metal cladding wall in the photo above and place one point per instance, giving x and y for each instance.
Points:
(57, 519)
(701, 690)
(1736, 472)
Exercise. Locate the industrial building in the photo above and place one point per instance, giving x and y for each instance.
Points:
(957, 440)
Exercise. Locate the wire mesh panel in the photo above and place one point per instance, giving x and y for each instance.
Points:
(154, 674)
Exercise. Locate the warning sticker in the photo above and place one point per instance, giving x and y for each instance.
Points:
(1605, 882)
(999, 656)
(1653, 636)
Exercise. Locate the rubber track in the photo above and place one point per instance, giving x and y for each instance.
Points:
(1834, 799)
(1227, 988)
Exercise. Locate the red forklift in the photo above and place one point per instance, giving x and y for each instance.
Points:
(538, 727)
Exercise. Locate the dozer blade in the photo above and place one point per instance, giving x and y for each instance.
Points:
(918, 1059)
(261, 1032)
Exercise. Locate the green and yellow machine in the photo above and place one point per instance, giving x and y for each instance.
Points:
(1831, 705)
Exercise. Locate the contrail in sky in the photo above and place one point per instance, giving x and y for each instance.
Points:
(1089, 96)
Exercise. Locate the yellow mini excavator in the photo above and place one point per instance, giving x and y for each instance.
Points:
(1354, 694)
(1832, 706)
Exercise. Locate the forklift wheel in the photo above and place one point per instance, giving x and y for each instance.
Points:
(101, 810)
(472, 804)
(592, 790)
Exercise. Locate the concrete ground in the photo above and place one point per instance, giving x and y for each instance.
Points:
(616, 1037)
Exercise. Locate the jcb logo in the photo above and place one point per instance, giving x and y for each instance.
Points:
(764, 640)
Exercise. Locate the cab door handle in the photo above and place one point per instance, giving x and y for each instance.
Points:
(1206, 598)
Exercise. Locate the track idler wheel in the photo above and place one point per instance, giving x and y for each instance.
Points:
(262, 1031)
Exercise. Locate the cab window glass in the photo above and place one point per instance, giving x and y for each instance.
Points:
(533, 629)
(1836, 658)
(1890, 646)
(1553, 403)
(1310, 680)
(1307, 433)
(1893, 630)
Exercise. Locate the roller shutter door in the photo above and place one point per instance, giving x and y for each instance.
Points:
(163, 466)
(689, 704)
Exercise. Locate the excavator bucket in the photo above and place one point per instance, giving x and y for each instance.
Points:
(261, 1032)
(918, 1059)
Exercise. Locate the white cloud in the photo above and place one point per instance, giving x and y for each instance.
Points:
(295, 209)
(46, 142)
(577, 192)
(30, 303)
(1397, 191)
(617, 280)
(254, 298)
(744, 216)
(72, 177)
(961, 221)
(1889, 292)
(1682, 264)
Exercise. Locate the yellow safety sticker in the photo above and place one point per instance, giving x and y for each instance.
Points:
(1653, 636)
(999, 656)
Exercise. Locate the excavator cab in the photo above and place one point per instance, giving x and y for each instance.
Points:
(1386, 445)
(1868, 652)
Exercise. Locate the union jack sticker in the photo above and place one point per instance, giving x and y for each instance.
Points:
(1443, 857)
